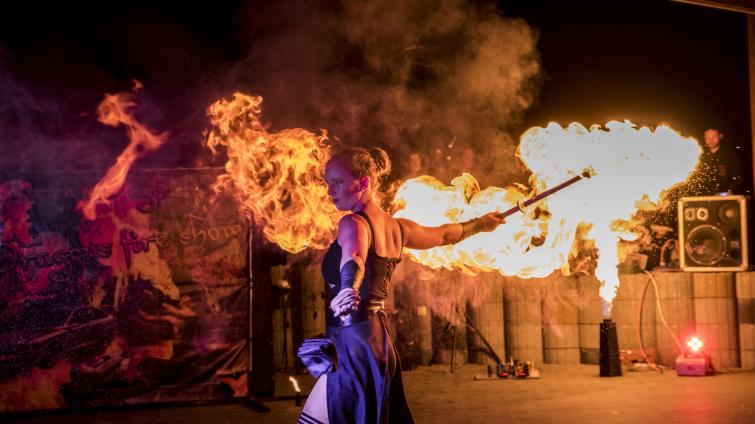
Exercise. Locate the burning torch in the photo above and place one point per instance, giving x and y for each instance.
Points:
(521, 206)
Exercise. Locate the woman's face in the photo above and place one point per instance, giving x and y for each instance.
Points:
(344, 189)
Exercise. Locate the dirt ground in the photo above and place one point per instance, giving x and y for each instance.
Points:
(563, 394)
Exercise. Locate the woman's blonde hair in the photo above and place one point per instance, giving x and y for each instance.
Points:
(373, 163)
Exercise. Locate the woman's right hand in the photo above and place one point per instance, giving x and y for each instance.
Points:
(346, 301)
(491, 221)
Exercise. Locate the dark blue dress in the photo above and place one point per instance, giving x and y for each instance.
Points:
(366, 386)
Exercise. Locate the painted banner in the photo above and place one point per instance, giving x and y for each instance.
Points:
(147, 302)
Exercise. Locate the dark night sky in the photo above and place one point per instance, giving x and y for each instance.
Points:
(647, 61)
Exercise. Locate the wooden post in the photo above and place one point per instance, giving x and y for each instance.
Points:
(751, 61)
(263, 359)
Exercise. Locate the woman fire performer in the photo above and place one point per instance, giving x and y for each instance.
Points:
(366, 383)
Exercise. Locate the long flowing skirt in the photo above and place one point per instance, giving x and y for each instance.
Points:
(366, 386)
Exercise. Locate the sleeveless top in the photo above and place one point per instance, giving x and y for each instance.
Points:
(377, 272)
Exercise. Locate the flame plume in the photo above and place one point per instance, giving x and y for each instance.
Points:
(277, 176)
(634, 168)
(115, 110)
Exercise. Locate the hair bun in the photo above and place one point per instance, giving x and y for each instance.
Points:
(382, 161)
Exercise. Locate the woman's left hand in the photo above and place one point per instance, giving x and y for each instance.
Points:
(346, 301)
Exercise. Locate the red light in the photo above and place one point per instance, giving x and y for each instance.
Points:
(695, 344)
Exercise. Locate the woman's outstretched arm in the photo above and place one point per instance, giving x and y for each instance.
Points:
(420, 237)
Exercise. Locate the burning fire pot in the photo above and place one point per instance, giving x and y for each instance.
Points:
(610, 366)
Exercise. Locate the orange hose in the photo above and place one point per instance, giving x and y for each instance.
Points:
(652, 364)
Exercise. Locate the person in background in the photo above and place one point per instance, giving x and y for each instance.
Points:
(720, 166)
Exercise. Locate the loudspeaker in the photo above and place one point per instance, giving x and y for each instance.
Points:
(713, 233)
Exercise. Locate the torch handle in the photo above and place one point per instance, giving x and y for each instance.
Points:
(544, 194)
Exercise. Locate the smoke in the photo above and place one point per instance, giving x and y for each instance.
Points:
(52, 81)
(440, 82)
(444, 81)
(42, 132)
(22, 120)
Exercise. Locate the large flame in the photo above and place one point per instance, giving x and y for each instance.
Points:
(634, 166)
(115, 110)
(278, 176)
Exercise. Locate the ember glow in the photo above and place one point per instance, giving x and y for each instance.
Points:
(115, 110)
(634, 167)
(277, 176)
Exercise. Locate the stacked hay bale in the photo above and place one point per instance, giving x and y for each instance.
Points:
(560, 321)
(716, 316)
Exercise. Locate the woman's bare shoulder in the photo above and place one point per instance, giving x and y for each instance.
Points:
(351, 220)
(350, 225)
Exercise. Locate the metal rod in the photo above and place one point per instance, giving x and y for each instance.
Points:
(587, 173)
(250, 288)
(453, 348)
